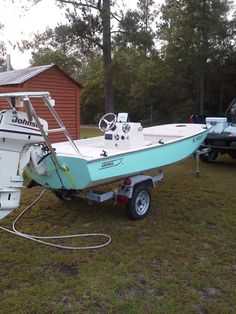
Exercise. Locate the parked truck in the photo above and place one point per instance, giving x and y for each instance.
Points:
(221, 139)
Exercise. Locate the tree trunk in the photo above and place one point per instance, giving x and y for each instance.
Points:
(221, 99)
(107, 60)
(201, 92)
(204, 53)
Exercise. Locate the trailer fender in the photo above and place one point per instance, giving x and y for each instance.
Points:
(129, 184)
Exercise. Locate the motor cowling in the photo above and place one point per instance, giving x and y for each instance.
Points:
(16, 131)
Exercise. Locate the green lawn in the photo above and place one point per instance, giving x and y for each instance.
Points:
(180, 259)
(88, 132)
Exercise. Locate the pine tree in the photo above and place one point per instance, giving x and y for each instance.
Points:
(194, 35)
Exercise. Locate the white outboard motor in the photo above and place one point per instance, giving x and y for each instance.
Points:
(15, 132)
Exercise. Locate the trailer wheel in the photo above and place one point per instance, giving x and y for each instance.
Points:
(210, 156)
(64, 195)
(139, 205)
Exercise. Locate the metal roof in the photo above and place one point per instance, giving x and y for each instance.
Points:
(20, 76)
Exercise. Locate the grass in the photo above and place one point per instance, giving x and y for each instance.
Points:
(180, 259)
(89, 132)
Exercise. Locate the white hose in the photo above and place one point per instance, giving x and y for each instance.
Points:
(39, 239)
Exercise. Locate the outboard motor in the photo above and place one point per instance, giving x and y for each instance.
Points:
(16, 131)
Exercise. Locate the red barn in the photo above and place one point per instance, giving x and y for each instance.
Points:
(48, 78)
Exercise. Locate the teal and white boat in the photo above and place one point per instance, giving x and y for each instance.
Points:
(125, 150)
(105, 158)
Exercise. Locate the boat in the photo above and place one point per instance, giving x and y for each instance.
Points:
(125, 149)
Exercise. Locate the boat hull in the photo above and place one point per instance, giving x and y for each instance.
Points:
(83, 174)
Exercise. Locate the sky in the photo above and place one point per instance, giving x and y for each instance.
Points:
(20, 24)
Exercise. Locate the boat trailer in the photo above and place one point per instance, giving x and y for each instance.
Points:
(133, 191)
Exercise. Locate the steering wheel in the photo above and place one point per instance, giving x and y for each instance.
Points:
(107, 122)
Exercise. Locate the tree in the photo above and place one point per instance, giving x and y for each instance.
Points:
(2, 53)
(194, 35)
(196, 64)
(61, 46)
(92, 95)
(136, 28)
(70, 65)
(90, 22)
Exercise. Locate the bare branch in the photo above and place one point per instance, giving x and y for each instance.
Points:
(119, 32)
(114, 15)
(80, 4)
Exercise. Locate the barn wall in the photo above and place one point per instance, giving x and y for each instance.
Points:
(66, 94)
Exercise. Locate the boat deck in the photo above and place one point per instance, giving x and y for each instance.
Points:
(92, 148)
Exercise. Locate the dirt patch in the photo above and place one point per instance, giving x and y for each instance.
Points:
(208, 293)
(68, 270)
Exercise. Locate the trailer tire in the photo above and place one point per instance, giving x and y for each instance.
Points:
(64, 195)
(210, 156)
(139, 205)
